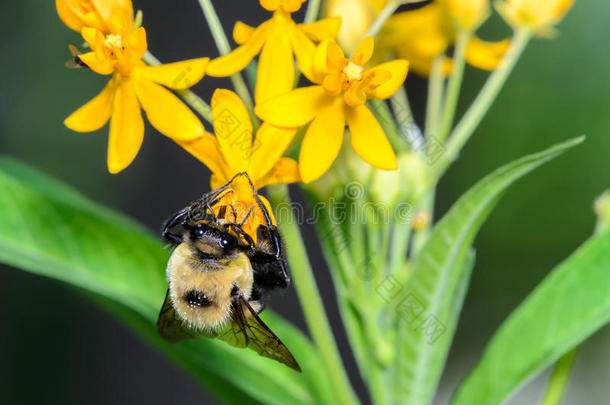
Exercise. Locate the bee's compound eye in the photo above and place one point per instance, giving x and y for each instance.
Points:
(228, 242)
(197, 299)
(197, 231)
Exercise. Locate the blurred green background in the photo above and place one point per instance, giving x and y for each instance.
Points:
(56, 348)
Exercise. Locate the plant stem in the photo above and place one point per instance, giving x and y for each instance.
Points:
(560, 378)
(313, 10)
(435, 95)
(387, 11)
(311, 302)
(387, 122)
(408, 129)
(222, 43)
(191, 98)
(453, 88)
(482, 103)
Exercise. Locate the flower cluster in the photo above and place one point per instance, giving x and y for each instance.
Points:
(337, 99)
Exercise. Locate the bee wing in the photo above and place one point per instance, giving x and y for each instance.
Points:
(248, 330)
(170, 325)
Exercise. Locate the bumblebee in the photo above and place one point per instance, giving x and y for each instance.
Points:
(220, 277)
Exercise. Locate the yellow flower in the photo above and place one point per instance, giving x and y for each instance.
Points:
(104, 15)
(233, 150)
(356, 18)
(534, 15)
(467, 14)
(133, 86)
(278, 41)
(423, 34)
(343, 87)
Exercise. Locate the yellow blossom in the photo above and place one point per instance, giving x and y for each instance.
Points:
(233, 150)
(278, 41)
(103, 15)
(423, 34)
(134, 86)
(467, 14)
(356, 18)
(342, 88)
(534, 15)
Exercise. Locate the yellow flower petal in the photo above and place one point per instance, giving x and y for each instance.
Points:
(178, 75)
(126, 128)
(275, 67)
(95, 114)
(319, 63)
(269, 145)
(364, 52)
(285, 171)
(166, 112)
(233, 128)
(486, 55)
(242, 32)
(368, 139)
(92, 36)
(207, 150)
(101, 66)
(295, 108)
(304, 50)
(398, 68)
(322, 141)
(322, 29)
(240, 57)
(270, 5)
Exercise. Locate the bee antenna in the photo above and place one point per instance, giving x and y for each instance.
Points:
(260, 204)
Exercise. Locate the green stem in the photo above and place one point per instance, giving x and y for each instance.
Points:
(387, 122)
(420, 237)
(386, 13)
(404, 117)
(482, 103)
(400, 244)
(311, 302)
(313, 10)
(453, 88)
(189, 97)
(435, 95)
(560, 378)
(222, 43)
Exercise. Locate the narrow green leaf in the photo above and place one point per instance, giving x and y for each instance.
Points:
(51, 230)
(427, 315)
(570, 304)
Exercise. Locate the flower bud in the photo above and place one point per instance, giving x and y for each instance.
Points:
(408, 183)
(356, 15)
(467, 14)
(535, 15)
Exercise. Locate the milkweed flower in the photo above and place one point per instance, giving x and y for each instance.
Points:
(99, 14)
(278, 41)
(134, 86)
(342, 88)
(233, 150)
(356, 18)
(536, 16)
(421, 35)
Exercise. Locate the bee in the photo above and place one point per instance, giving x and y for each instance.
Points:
(76, 61)
(220, 278)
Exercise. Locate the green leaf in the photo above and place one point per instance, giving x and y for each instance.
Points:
(49, 229)
(571, 303)
(428, 315)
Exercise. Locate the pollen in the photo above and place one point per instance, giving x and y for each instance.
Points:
(113, 41)
(353, 71)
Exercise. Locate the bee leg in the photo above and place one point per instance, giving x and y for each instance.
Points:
(171, 223)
